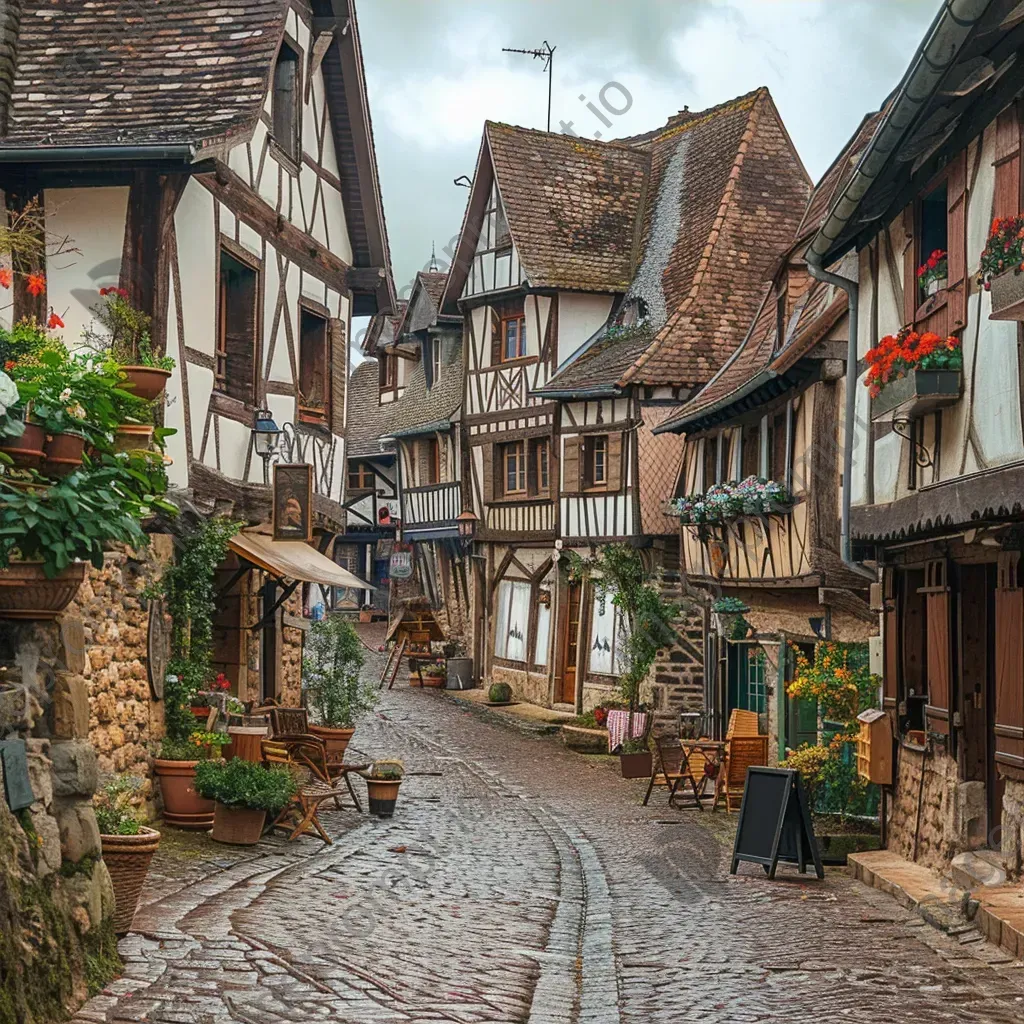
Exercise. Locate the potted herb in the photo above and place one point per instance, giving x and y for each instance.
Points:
(382, 784)
(433, 673)
(128, 845)
(244, 793)
(127, 338)
(729, 619)
(499, 694)
(331, 674)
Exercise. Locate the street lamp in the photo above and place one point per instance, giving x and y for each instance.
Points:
(466, 522)
(265, 436)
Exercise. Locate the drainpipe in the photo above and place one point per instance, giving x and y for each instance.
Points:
(852, 290)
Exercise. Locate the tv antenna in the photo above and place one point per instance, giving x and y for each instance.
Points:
(547, 54)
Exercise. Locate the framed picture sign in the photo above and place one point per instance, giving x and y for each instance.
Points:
(293, 501)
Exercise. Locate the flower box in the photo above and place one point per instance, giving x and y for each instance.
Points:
(919, 392)
(1007, 295)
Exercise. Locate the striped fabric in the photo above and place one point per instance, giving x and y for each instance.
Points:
(618, 727)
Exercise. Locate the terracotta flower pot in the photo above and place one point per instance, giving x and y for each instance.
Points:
(336, 741)
(133, 437)
(26, 451)
(636, 766)
(435, 681)
(183, 806)
(146, 382)
(26, 593)
(127, 859)
(63, 454)
(239, 826)
(383, 795)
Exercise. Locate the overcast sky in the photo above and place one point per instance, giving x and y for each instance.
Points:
(436, 71)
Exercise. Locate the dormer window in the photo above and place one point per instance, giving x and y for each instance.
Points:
(285, 101)
(435, 361)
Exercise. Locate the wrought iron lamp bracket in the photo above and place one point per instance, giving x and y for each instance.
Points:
(904, 427)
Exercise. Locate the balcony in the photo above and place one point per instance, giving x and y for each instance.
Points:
(429, 512)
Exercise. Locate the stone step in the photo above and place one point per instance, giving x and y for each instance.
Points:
(977, 869)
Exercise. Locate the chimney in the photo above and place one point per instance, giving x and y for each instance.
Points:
(10, 25)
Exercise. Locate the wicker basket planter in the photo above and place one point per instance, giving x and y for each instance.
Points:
(26, 451)
(920, 392)
(183, 806)
(239, 826)
(127, 859)
(1007, 290)
(26, 593)
(336, 741)
(147, 382)
(383, 795)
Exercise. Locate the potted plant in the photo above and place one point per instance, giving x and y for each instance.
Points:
(460, 668)
(382, 782)
(129, 342)
(128, 845)
(910, 373)
(175, 767)
(499, 694)
(433, 673)
(586, 734)
(244, 793)
(331, 675)
(724, 502)
(932, 274)
(635, 759)
(1002, 260)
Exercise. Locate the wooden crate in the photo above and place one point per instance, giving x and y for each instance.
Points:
(874, 747)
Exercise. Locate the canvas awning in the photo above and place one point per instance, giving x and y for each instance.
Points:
(293, 560)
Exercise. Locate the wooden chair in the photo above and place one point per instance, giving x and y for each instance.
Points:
(289, 722)
(304, 761)
(742, 723)
(675, 768)
(741, 753)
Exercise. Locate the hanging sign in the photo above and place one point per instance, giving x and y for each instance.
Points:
(775, 823)
(400, 567)
(292, 511)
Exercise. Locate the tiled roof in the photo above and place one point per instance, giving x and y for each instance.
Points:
(572, 205)
(425, 407)
(367, 419)
(161, 71)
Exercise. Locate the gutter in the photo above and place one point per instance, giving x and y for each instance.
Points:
(184, 152)
(678, 426)
(605, 392)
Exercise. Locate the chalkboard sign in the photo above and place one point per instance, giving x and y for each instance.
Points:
(775, 823)
(17, 784)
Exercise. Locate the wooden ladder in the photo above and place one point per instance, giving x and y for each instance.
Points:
(393, 664)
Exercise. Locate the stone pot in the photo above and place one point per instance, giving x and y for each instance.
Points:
(63, 454)
(183, 806)
(460, 674)
(146, 382)
(383, 795)
(26, 593)
(239, 826)
(26, 451)
(336, 741)
(127, 859)
(636, 766)
(133, 437)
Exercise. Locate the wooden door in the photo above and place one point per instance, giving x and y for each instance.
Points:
(571, 644)
(228, 634)
(973, 599)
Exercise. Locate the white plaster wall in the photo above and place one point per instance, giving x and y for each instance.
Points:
(197, 260)
(579, 316)
(174, 409)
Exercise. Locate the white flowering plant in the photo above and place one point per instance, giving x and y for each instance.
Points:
(724, 502)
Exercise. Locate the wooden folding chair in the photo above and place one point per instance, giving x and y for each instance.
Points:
(742, 723)
(302, 813)
(672, 763)
(741, 753)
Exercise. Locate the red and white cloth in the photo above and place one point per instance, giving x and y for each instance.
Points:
(618, 727)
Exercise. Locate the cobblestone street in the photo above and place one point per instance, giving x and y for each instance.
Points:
(521, 882)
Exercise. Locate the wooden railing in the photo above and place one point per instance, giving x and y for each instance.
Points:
(431, 505)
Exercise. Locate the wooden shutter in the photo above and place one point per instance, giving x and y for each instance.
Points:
(956, 242)
(617, 450)
(490, 454)
(571, 465)
(891, 640)
(532, 477)
(937, 626)
(910, 289)
(240, 334)
(1009, 709)
(1006, 202)
(337, 352)
(495, 337)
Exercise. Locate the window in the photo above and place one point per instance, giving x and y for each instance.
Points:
(285, 101)
(595, 460)
(543, 637)
(608, 633)
(513, 337)
(933, 238)
(512, 464)
(314, 380)
(539, 474)
(435, 361)
(360, 478)
(428, 461)
(512, 620)
(235, 363)
(388, 369)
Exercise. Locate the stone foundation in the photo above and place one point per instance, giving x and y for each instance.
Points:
(530, 686)
(1012, 837)
(676, 682)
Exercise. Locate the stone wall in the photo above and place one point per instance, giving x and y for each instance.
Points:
(676, 682)
(1013, 825)
(289, 676)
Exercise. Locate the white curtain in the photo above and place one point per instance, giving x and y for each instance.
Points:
(607, 635)
(501, 619)
(519, 622)
(540, 651)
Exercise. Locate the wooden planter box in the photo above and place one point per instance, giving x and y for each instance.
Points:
(1007, 292)
(920, 392)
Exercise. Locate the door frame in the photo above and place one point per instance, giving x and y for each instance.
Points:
(572, 590)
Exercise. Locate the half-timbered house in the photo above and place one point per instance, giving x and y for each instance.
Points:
(223, 174)
(601, 283)
(937, 457)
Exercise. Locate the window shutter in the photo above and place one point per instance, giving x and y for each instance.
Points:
(956, 242)
(1009, 710)
(571, 465)
(337, 352)
(937, 617)
(532, 449)
(616, 448)
(891, 663)
(1006, 202)
(490, 453)
(495, 337)
(910, 290)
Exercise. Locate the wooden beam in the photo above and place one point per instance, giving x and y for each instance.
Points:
(365, 280)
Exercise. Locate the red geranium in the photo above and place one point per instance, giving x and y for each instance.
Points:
(221, 682)
(6, 277)
(897, 354)
(54, 322)
(35, 283)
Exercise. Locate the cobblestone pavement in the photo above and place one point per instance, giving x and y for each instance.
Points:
(520, 882)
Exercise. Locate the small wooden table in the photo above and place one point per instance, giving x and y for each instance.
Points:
(700, 753)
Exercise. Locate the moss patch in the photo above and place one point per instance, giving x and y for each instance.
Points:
(102, 962)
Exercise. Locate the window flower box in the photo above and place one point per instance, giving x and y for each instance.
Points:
(1007, 291)
(722, 503)
(917, 393)
(1002, 261)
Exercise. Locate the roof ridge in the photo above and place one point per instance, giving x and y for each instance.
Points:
(694, 118)
(569, 137)
(709, 246)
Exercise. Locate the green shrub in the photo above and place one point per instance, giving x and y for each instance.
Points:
(116, 813)
(331, 665)
(238, 783)
(499, 693)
